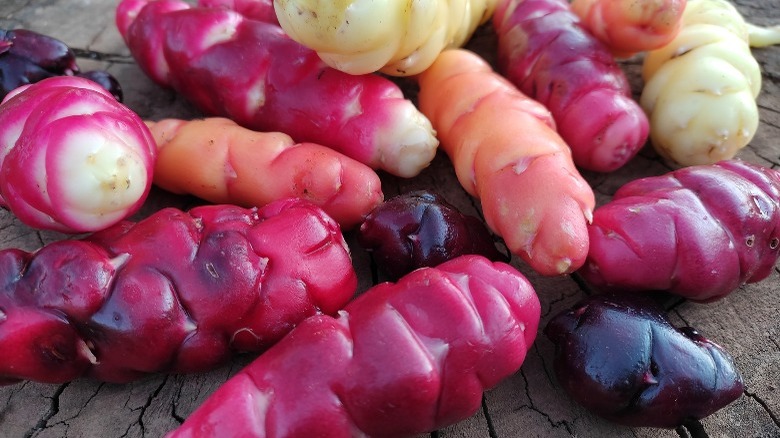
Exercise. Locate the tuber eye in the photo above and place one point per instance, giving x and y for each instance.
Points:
(774, 243)
(750, 241)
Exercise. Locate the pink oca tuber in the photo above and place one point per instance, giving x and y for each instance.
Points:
(545, 52)
(699, 231)
(250, 71)
(401, 359)
(175, 292)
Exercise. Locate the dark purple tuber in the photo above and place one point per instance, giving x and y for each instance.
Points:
(27, 57)
(621, 358)
(421, 228)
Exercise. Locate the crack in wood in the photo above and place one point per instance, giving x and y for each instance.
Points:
(95, 55)
(533, 408)
(491, 428)
(149, 400)
(764, 405)
(692, 429)
(54, 408)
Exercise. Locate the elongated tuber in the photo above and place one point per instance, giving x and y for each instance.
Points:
(175, 292)
(699, 231)
(224, 163)
(401, 359)
(72, 158)
(545, 52)
(253, 73)
(507, 153)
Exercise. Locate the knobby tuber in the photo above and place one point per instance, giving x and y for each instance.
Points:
(72, 158)
(419, 229)
(397, 38)
(224, 163)
(507, 153)
(699, 231)
(251, 72)
(549, 56)
(401, 359)
(175, 292)
(620, 357)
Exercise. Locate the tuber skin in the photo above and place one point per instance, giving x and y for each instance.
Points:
(699, 232)
(549, 56)
(72, 158)
(261, 10)
(203, 53)
(219, 161)
(397, 38)
(419, 229)
(506, 153)
(629, 27)
(454, 331)
(27, 57)
(176, 292)
(621, 358)
(701, 88)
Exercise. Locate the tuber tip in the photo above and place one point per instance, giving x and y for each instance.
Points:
(413, 142)
(86, 352)
(563, 265)
(759, 36)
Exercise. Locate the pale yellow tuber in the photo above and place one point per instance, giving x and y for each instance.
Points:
(399, 38)
(701, 88)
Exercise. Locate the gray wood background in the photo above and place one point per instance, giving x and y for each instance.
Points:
(529, 404)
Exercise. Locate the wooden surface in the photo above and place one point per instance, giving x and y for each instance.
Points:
(528, 404)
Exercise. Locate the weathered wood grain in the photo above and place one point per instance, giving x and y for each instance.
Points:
(530, 404)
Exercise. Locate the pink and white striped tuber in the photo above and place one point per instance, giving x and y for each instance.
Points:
(699, 231)
(72, 158)
(401, 359)
(175, 292)
(251, 72)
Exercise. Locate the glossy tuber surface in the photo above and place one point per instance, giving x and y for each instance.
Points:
(621, 358)
(700, 89)
(629, 27)
(419, 229)
(506, 152)
(261, 10)
(72, 158)
(549, 56)
(204, 52)
(27, 57)
(222, 162)
(699, 232)
(401, 359)
(398, 38)
(175, 292)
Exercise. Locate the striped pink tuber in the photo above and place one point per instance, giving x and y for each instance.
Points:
(251, 72)
(72, 158)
